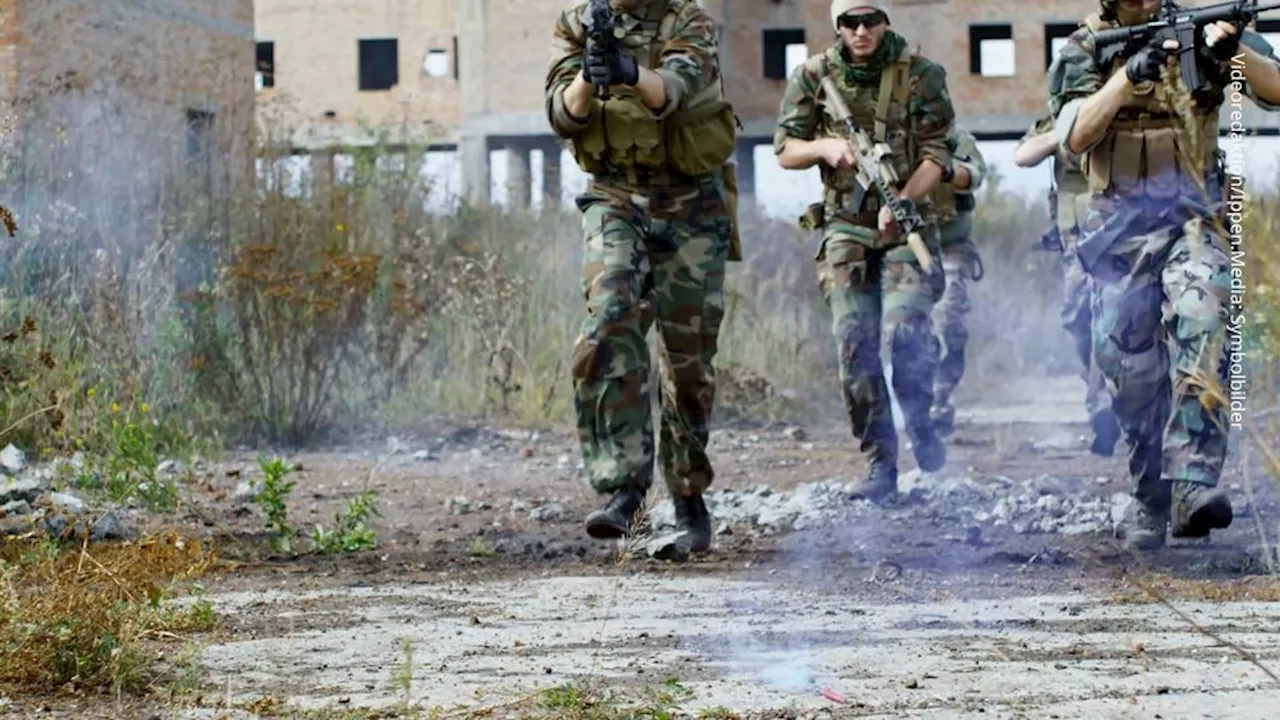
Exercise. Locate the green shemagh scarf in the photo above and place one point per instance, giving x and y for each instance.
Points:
(869, 73)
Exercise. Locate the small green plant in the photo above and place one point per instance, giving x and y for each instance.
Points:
(480, 548)
(351, 531)
(125, 451)
(272, 497)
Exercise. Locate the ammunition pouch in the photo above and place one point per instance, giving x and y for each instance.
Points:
(814, 217)
(702, 138)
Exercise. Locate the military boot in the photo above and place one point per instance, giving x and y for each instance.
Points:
(880, 483)
(693, 531)
(930, 451)
(694, 521)
(614, 520)
(1146, 520)
(1143, 527)
(880, 443)
(1197, 509)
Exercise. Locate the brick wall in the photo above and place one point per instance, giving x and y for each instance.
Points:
(317, 61)
(115, 73)
(315, 53)
(518, 34)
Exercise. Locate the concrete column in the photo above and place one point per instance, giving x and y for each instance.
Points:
(519, 176)
(473, 153)
(322, 172)
(746, 159)
(552, 184)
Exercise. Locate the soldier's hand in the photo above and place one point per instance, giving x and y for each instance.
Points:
(887, 224)
(611, 68)
(597, 67)
(1146, 63)
(1222, 39)
(837, 153)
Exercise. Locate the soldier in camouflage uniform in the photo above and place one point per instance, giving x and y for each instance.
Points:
(658, 220)
(1163, 285)
(1068, 197)
(962, 265)
(869, 277)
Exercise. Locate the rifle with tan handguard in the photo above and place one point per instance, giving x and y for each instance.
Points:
(875, 170)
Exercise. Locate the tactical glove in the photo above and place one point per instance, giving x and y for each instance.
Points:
(1145, 64)
(611, 68)
(1224, 49)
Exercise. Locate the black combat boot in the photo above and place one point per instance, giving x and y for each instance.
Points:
(1197, 509)
(881, 447)
(694, 521)
(614, 520)
(1146, 520)
(929, 449)
(881, 482)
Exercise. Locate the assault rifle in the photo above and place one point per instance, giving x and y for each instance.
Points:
(875, 171)
(1171, 22)
(600, 23)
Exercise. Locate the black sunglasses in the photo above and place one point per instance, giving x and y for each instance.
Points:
(869, 20)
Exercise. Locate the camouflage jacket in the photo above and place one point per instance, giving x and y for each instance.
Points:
(687, 62)
(954, 207)
(1117, 165)
(916, 123)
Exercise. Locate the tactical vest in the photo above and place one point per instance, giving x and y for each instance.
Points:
(886, 114)
(1147, 150)
(1070, 194)
(623, 137)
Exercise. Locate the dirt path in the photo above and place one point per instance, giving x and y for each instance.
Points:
(948, 605)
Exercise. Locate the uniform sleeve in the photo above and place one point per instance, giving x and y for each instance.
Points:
(689, 62)
(1039, 127)
(797, 113)
(1073, 76)
(563, 66)
(967, 152)
(1259, 45)
(931, 109)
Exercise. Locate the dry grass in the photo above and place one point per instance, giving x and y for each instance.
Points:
(92, 617)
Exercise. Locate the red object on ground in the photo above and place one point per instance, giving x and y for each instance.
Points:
(832, 695)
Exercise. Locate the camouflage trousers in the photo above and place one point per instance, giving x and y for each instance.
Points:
(961, 265)
(1076, 314)
(872, 293)
(1158, 301)
(662, 264)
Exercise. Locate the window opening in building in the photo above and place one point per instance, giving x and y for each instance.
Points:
(379, 64)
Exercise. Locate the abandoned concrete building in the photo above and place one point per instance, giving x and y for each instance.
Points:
(173, 74)
(470, 75)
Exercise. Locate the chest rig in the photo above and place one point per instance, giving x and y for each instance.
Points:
(1148, 149)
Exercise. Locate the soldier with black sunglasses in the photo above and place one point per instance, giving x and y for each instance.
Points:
(869, 276)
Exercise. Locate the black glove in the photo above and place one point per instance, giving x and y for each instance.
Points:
(611, 68)
(1145, 64)
(1224, 49)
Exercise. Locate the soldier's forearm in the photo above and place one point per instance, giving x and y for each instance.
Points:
(963, 179)
(1096, 113)
(1262, 74)
(1035, 150)
(799, 154)
(923, 180)
(652, 89)
(577, 96)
